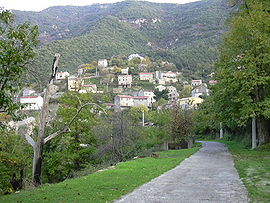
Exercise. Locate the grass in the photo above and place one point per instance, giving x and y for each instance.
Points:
(107, 185)
(253, 167)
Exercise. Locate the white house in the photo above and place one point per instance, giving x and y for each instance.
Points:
(132, 56)
(196, 82)
(61, 75)
(172, 93)
(189, 102)
(75, 83)
(166, 77)
(160, 88)
(149, 94)
(141, 101)
(89, 88)
(32, 102)
(28, 92)
(169, 74)
(125, 80)
(200, 91)
(102, 63)
(124, 71)
(146, 76)
(130, 101)
(123, 101)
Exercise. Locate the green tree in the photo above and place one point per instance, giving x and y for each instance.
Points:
(242, 91)
(161, 94)
(181, 125)
(15, 160)
(17, 44)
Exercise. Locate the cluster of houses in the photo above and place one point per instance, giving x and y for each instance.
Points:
(147, 97)
(163, 80)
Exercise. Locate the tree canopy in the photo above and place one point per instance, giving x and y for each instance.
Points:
(243, 73)
(17, 44)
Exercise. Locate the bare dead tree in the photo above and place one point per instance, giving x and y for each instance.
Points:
(42, 139)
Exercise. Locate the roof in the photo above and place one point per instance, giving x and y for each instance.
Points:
(89, 85)
(212, 81)
(125, 96)
(142, 97)
(29, 97)
(146, 73)
(131, 97)
(125, 75)
(196, 80)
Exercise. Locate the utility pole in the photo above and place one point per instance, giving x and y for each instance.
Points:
(142, 118)
(254, 144)
(221, 131)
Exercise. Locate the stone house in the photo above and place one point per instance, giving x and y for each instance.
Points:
(172, 93)
(200, 91)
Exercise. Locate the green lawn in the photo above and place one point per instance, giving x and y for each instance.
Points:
(107, 185)
(253, 167)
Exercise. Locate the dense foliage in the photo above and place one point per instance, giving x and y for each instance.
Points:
(16, 50)
(242, 91)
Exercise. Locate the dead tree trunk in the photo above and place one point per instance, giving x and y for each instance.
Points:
(38, 147)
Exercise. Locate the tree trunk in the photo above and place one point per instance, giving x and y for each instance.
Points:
(263, 130)
(254, 132)
(38, 149)
(221, 131)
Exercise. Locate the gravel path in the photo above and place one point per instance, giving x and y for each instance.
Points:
(207, 176)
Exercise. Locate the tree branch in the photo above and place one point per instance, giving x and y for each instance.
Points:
(66, 129)
(30, 140)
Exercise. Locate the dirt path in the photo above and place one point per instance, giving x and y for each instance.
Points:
(207, 176)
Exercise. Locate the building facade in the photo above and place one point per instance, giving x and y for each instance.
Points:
(146, 76)
(32, 102)
(125, 81)
(61, 75)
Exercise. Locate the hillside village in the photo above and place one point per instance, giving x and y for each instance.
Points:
(133, 81)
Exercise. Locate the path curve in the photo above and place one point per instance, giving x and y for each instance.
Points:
(207, 176)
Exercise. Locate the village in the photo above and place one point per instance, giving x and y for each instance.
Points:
(133, 82)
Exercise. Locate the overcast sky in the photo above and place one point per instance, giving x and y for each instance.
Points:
(38, 5)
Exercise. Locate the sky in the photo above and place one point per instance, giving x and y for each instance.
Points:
(38, 5)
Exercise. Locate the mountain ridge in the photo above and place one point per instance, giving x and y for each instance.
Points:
(187, 34)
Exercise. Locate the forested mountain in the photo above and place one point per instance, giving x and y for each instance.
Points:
(187, 35)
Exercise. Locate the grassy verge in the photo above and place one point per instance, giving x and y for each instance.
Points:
(107, 185)
(253, 167)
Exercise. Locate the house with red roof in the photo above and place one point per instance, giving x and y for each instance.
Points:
(146, 76)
